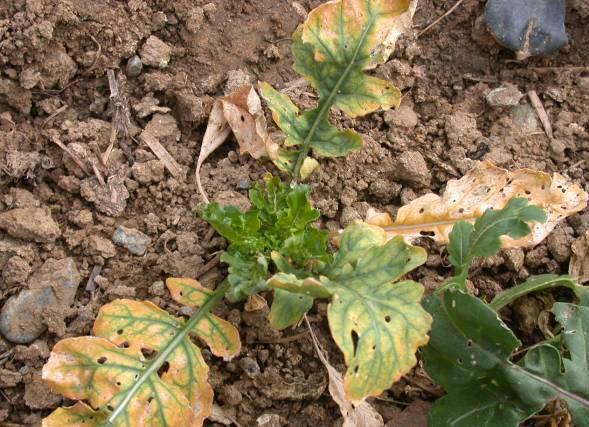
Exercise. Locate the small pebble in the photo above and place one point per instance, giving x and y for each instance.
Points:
(134, 240)
(244, 184)
(250, 367)
(134, 66)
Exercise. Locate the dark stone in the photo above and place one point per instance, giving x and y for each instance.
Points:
(528, 27)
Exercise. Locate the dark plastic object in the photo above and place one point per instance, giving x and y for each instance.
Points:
(528, 27)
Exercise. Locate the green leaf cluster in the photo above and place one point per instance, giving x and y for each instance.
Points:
(280, 222)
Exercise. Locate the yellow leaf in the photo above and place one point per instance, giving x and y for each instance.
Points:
(141, 368)
(221, 336)
(486, 186)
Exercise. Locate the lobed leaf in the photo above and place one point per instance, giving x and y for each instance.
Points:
(486, 186)
(377, 322)
(332, 49)
(469, 353)
(483, 239)
(140, 368)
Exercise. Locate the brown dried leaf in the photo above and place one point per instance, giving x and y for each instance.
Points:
(239, 112)
(359, 415)
(485, 186)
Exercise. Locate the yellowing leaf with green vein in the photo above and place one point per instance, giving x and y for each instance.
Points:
(141, 368)
(332, 49)
(220, 335)
(377, 322)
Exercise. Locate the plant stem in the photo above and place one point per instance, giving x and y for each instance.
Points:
(156, 363)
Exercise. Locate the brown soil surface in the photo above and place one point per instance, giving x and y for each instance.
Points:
(54, 93)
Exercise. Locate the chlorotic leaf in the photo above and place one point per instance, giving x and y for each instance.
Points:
(469, 354)
(140, 368)
(288, 308)
(75, 416)
(486, 186)
(220, 335)
(332, 49)
(377, 322)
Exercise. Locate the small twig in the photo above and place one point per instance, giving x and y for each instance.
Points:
(212, 263)
(53, 115)
(537, 104)
(90, 284)
(120, 117)
(430, 26)
(98, 53)
(72, 155)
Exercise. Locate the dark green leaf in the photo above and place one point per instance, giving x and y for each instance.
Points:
(469, 355)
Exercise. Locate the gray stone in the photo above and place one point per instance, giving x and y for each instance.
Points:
(132, 239)
(528, 27)
(52, 287)
(134, 66)
(32, 224)
(504, 96)
(524, 117)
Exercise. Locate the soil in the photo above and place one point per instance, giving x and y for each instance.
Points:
(55, 101)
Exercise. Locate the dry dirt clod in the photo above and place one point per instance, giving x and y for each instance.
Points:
(32, 224)
(525, 118)
(133, 240)
(15, 271)
(412, 168)
(52, 287)
(110, 199)
(404, 117)
(269, 420)
(230, 197)
(148, 172)
(155, 53)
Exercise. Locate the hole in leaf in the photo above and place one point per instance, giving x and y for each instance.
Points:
(373, 348)
(387, 318)
(125, 344)
(459, 361)
(120, 331)
(163, 369)
(300, 297)
(356, 368)
(181, 293)
(147, 353)
(355, 338)
(136, 377)
(110, 408)
(101, 360)
(469, 343)
(118, 383)
(149, 399)
(242, 119)
(422, 210)
(427, 233)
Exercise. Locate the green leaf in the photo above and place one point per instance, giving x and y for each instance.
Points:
(338, 42)
(535, 284)
(288, 308)
(377, 322)
(247, 274)
(483, 239)
(469, 355)
(240, 228)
